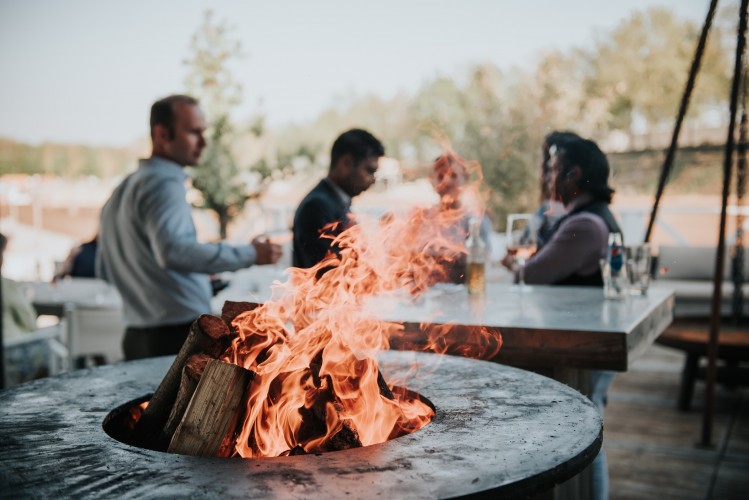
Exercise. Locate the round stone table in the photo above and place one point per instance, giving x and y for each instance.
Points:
(497, 429)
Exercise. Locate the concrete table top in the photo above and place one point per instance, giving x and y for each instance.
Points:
(548, 326)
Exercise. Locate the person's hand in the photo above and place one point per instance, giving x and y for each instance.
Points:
(266, 251)
(509, 262)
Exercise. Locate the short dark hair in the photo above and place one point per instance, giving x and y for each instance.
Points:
(586, 154)
(358, 143)
(162, 111)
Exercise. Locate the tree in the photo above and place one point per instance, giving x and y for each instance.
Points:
(640, 67)
(482, 123)
(217, 177)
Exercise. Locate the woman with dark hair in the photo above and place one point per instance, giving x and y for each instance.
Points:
(578, 177)
(550, 210)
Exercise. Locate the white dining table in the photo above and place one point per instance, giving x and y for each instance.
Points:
(52, 298)
(90, 312)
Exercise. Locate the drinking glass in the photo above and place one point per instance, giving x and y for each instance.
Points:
(522, 243)
(638, 259)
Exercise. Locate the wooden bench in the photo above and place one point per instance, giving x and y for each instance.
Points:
(691, 336)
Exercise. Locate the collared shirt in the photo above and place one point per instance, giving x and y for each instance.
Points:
(345, 198)
(148, 248)
(575, 248)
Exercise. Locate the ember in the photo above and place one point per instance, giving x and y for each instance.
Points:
(310, 351)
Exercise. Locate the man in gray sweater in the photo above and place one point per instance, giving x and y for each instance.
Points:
(148, 246)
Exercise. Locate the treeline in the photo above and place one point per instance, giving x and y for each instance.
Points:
(65, 160)
(628, 80)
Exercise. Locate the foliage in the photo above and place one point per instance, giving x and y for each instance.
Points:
(217, 177)
(64, 160)
(641, 67)
(629, 80)
(210, 78)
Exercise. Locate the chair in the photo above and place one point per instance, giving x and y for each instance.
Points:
(35, 355)
(94, 334)
(692, 336)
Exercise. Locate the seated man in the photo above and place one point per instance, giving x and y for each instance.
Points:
(81, 262)
(19, 316)
(24, 361)
(353, 163)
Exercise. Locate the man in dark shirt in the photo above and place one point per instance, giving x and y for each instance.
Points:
(353, 163)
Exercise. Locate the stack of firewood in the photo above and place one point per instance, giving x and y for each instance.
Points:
(200, 406)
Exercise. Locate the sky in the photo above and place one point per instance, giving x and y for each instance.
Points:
(87, 71)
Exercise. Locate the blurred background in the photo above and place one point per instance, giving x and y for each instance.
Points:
(279, 81)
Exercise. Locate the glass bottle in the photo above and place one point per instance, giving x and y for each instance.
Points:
(614, 271)
(476, 259)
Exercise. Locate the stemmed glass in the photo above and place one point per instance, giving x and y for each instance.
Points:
(522, 243)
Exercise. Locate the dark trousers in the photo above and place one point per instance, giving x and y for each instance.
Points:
(154, 341)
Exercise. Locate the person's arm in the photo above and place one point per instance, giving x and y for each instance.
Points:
(574, 248)
(170, 228)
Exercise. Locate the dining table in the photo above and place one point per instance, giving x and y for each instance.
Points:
(556, 329)
(90, 313)
(66, 437)
(562, 332)
(52, 298)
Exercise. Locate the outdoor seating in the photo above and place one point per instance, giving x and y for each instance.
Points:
(94, 334)
(689, 271)
(35, 355)
(692, 336)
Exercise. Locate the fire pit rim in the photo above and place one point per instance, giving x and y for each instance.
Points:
(445, 458)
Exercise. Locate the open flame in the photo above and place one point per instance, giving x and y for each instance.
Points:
(313, 346)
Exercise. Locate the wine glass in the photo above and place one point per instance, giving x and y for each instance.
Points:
(522, 243)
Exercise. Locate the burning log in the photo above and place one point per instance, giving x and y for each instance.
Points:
(315, 420)
(208, 335)
(191, 374)
(208, 428)
(233, 309)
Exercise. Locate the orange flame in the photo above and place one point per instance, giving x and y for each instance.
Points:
(313, 345)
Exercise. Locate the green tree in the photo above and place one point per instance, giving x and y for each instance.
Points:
(217, 177)
(640, 68)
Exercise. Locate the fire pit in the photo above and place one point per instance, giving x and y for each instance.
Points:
(496, 429)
